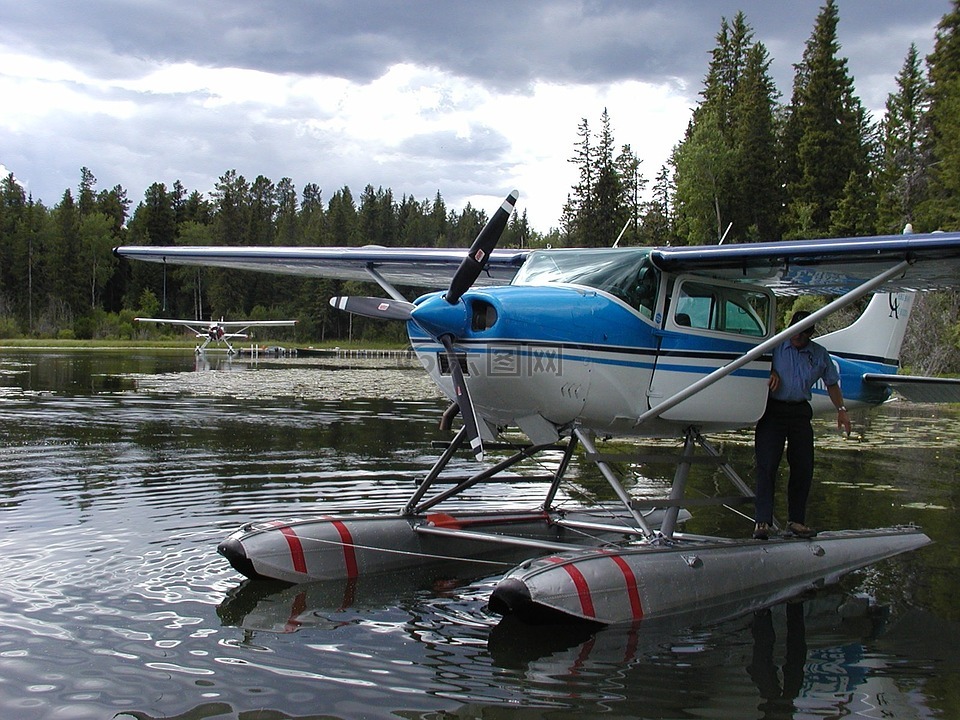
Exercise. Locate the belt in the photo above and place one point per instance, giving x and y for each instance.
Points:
(788, 402)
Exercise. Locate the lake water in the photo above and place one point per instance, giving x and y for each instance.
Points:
(121, 471)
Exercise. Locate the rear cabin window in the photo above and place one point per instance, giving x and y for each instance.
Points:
(722, 309)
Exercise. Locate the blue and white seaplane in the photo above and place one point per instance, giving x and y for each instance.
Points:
(573, 344)
(219, 331)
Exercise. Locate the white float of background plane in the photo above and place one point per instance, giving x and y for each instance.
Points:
(571, 344)
(220, 331)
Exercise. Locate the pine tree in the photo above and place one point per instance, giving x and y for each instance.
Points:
(901, 178)
(633, 183)
(657, 227)
(756, 206)
(725, 165)
(941, 210)
(826, 130)
(86, 197)
(607, 213)
(597, 208)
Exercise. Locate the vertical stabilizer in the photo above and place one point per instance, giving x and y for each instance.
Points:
(878, 333)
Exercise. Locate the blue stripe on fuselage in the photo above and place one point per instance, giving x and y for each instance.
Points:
(584, 325)
(625, 357)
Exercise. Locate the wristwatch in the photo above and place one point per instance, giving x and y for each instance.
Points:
(842, 408)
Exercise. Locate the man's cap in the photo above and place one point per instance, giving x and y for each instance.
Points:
(800, 315)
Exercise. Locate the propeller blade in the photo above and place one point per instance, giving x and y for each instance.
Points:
(476, 258)
(463, 399)
(373, 307)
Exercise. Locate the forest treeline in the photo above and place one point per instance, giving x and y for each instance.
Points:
(751, 167)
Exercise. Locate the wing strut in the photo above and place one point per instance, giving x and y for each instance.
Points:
(384, 283)
(722, 372)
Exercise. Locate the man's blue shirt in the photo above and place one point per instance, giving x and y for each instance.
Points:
(799, 370)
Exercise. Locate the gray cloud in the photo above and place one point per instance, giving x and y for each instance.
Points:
(500, 47)
(507, 44)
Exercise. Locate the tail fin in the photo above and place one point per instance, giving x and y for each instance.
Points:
(877, 334)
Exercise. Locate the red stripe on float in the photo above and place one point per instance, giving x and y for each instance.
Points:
(296, 549)
(297, 608)
(349, 553)
(633, 592)
(580, 583)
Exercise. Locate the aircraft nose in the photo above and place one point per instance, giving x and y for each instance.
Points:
(438, 317)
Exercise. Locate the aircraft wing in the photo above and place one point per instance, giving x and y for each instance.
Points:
(416, 267)
(820, 267)
(825, 267)
(256, 323)
(197, 325)
(918, 388)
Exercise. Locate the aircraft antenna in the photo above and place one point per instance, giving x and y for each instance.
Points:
(724, 236)
(617, 242)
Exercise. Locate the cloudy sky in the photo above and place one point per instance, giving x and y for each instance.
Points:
(469, 98)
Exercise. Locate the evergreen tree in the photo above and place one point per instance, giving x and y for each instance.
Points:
(377, 217)
(755, 210)
(311, 215)
(62, 263)
(855, 213)
(287, 209)
(232, 203)
(657, 228)
(439, 226)
(263, 212)
(901, 178)
(633, 183)
(597, 209)
(86, 197)
(725, 166)
(941, 210)
(517, 232)
(231, 198)
(13, 203)
(342, 226)
(826, 130)
(572, 219)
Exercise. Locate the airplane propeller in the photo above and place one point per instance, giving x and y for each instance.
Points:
(480, 250)
(374, 307)
(464, 401)
(443, 324)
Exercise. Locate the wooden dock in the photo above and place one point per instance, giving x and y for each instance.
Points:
(339, 353)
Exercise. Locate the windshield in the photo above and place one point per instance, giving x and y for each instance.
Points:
(625, 273)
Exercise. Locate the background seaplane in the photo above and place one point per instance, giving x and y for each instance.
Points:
(572, 344)
(220, 331)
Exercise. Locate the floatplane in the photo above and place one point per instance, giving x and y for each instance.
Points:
(219, 331)
(572, 345)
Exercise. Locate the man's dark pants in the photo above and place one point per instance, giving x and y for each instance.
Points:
(784, 422)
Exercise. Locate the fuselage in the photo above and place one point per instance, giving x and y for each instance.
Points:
(599, 347)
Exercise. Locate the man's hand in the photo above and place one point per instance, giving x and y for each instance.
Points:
(843, 421)
(774, 381)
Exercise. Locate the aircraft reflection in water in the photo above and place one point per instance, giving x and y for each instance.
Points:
(815, 647)
(568, 345)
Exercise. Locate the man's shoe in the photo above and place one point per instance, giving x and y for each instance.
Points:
(761, 531)
(800, 530)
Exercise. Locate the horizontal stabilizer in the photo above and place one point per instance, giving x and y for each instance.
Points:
(918, 388)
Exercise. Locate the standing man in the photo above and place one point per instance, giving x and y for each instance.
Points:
(797, 365)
